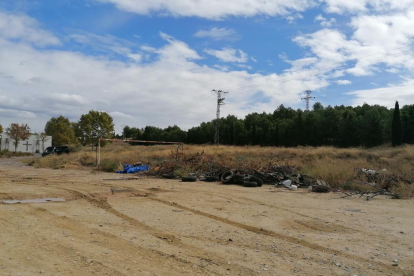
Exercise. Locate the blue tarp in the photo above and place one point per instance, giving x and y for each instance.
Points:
(133, 169)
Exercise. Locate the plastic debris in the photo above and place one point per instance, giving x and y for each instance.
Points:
(287, 183)
(293, 187)
(128, 168)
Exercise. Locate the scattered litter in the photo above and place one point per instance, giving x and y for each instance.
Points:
(293, 187)
(287, 183)
(368, 171)
(255, 174)
(128, 168)
(36, 200)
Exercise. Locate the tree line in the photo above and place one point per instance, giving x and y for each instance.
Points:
(340, 126)
(85, 131)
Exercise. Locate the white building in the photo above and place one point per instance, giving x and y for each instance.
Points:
(32, 145)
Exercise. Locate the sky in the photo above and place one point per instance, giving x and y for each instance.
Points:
(156, 62)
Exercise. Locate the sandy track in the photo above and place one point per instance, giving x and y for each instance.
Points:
(165, 227)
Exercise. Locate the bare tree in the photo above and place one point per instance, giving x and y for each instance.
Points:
(18, 133)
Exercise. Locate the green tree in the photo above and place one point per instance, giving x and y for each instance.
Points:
(371, 128)
(407, 113)
(61, 130)
(132, 133)
(396, 131)
(18, 133)
(1, 128)
(93, 126)
(348, 135)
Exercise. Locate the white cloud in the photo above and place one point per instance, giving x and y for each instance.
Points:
(45, 83)
(24, 28)
(392, 70)
(244, 66)
(386, 96)
(13, 113)
(324, 22)
(66, 99)
(118, 114)
(292, 18)
(229, 55)
(376, 40)
(344, 82)
(216, 10)
(355, 6)
(218, 34)
(223, 68)
(212, 9)
(107, 44)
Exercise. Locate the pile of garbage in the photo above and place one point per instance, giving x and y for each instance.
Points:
(134, 168)
(380, 179)
(236, 177)
(277, 175)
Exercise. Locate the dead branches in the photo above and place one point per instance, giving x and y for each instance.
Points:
(369, 194)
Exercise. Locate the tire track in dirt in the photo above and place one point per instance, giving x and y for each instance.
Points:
(64, 253)
(279, 236)
(115, 243)
(282, 237)
(102, 203)
(244, 199)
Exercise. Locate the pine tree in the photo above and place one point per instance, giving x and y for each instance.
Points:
(396, 127)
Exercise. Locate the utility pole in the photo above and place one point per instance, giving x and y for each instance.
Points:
(307, 98)
(220, 102)
(123, 132)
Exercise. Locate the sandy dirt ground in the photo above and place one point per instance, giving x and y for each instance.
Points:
(166, 227)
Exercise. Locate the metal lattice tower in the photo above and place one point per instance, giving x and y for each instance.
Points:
(307, 98)
(220, 102)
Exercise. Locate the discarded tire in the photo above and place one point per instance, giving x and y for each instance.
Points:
(261, 176)
(227, 177)
(249, 184)
(320, 189)
(189, 179)
(212, 179)
(257, 180)
(239, 179)
(168, 175)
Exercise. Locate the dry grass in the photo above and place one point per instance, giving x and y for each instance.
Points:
(333, 165)
(10, 154)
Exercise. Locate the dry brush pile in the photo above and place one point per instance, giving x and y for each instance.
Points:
(338, 167)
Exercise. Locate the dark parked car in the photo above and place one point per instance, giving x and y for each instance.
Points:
(55, 150)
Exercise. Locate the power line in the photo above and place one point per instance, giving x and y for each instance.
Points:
(220, 102)
(307, 98)
(286, 79)
(206, 96)
(270, 82)
(335, 65)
